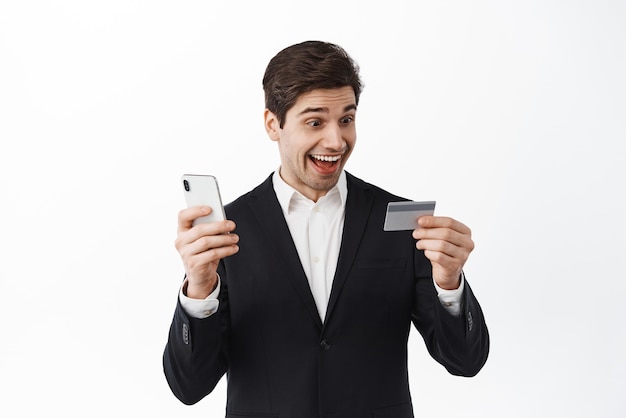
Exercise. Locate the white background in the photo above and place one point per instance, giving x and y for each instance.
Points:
(511, 114)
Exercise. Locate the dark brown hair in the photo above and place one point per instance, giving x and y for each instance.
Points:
(304, 67)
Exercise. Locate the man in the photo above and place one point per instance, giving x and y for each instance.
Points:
(300, 297)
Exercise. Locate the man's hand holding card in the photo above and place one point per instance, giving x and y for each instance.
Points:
(446, 242)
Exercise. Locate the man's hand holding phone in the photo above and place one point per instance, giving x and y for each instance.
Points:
(204, 234)
(201, 247)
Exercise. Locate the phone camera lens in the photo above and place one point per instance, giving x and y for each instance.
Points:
(186, 184)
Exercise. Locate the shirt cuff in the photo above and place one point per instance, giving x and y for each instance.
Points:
(451, 299)
(199, 308)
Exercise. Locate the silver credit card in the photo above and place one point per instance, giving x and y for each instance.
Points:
(402, 216)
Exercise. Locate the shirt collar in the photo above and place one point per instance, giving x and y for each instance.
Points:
(285, 193)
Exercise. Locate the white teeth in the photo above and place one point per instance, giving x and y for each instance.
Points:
(326, 157)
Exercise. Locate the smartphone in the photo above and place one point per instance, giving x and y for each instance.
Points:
(202, 190)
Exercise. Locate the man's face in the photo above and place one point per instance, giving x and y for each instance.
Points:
(316, 139)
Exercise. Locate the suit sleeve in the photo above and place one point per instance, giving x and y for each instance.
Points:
(195, 359)
(459, 343)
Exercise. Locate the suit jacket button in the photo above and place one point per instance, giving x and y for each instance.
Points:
(325, 345)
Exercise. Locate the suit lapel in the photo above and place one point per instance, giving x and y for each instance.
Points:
(265, 207)
(358, 207)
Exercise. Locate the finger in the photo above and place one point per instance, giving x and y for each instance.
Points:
(443, 247)
(445, 264)
(444, 260)
(428, 221)
(445, 239)
(188, 215)
(208, 242)
(202, 255)
(187, 236)
(201, 261)
(191, 242)
(445, 234)
(211, 228)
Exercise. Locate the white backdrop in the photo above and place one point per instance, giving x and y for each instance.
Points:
(511, 114)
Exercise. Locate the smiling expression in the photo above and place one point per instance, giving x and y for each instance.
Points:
(316, 139)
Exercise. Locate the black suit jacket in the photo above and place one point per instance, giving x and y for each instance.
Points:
(281, 360)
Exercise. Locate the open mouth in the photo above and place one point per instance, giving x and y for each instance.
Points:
(325, 163)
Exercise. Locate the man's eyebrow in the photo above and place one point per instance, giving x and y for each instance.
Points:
(325, 109)
(313, 110)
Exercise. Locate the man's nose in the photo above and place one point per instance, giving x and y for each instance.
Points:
(333, 138)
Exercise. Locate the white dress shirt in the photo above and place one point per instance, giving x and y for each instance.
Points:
(316, 229)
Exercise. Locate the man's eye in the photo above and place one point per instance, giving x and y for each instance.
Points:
(347, 120)
(314, 123)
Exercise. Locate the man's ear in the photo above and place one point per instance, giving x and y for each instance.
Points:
(272, 126)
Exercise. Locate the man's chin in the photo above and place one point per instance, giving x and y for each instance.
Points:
(324, 184)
